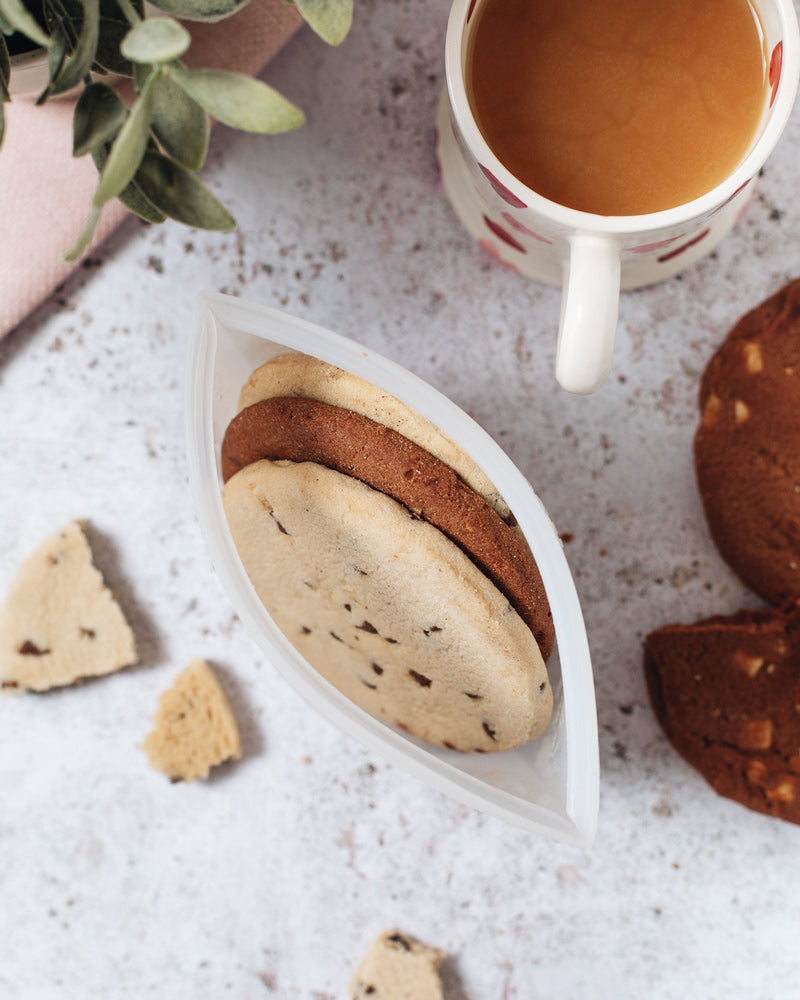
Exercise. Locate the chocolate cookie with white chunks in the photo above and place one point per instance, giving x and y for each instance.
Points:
(726, 691)
(387, 608)
(747, 447)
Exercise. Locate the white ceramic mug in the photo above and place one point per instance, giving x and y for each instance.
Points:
(593, 256)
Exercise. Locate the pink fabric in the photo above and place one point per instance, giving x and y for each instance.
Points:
(45, 193)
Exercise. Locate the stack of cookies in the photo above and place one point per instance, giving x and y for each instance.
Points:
(726, 689)
(387, 558)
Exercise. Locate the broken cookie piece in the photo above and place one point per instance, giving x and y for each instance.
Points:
(726, 691)
(60, 622)
(195, 728)
(398, 967)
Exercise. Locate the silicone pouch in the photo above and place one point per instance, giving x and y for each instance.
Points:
(550, 786)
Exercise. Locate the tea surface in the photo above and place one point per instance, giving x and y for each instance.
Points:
(617, 107)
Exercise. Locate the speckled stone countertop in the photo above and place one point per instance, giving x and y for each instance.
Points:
(271, 879)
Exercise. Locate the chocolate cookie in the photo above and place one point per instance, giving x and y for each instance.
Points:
(386, 608)
(726, 691)
(747, 448)
(305, 430)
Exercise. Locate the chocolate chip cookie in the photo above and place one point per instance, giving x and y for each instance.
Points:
(389, 610)
(306, 430)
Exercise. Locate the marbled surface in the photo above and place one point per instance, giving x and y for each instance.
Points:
(271, 879)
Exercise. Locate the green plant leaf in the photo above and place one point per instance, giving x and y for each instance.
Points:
(127, 151)
(56, 55)
(112, 9)
(156, 40)
(141, 74)
(108, 56)
(77, 65)
(99, 115)
(238, 100)
(200, 10)
(65, 15)
(131, 197)
(79, 247)
(16, 14)
(180, 195)
(5, 69)
(181, 125)
(331, 19)
(114, 26)
(5, 76)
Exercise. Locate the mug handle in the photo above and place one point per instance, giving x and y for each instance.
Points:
(589, 309)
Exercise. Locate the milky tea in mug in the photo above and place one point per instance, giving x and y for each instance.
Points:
(618, 107)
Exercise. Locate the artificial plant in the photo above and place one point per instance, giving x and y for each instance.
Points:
(148, 152)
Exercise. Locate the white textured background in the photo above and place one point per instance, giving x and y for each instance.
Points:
(272, 879)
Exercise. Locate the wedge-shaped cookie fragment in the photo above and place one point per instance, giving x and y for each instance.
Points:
(726, 691)
(60, 622)
(195, 728)
(398, 967)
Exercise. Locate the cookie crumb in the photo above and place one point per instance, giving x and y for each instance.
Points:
(398, 967)
(195, 728)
